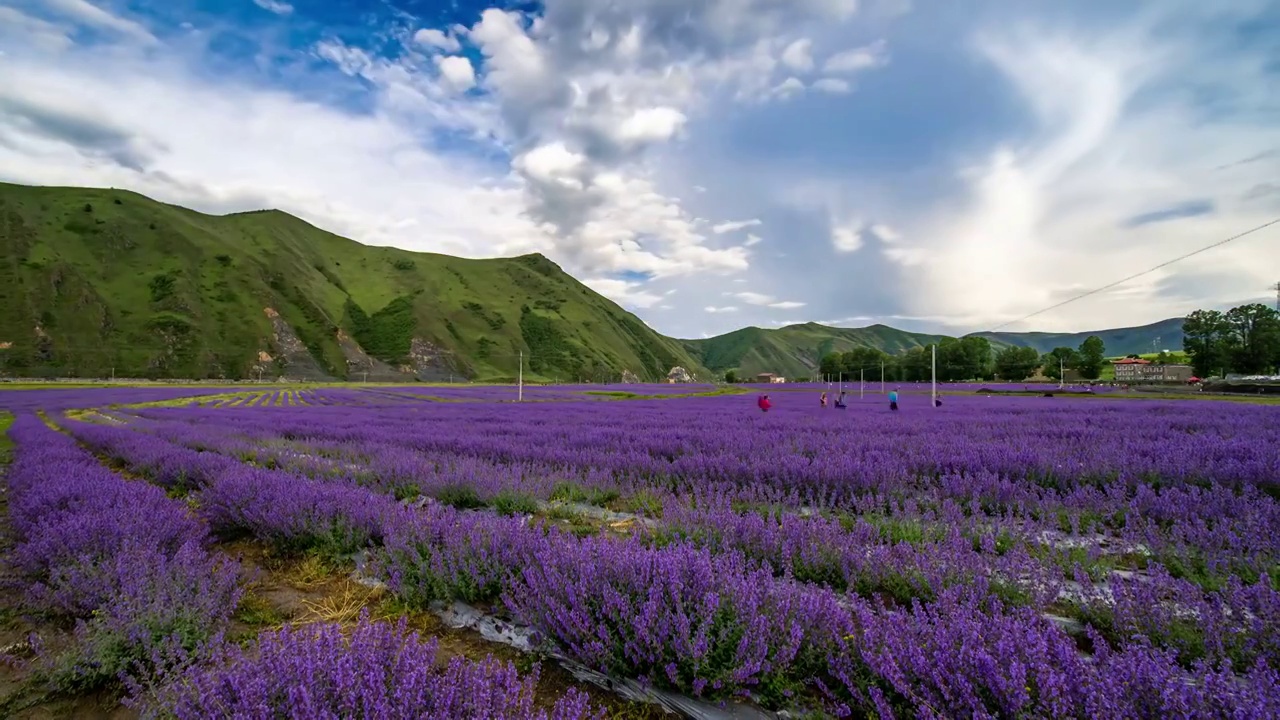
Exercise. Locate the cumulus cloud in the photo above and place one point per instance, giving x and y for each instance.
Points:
(799, 55)
(141, 120)
(713, 309)
(457, 72)
(437, 39)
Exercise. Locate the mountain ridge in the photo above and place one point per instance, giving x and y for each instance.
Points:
(102, 281)
(96, 281)
(795, 350)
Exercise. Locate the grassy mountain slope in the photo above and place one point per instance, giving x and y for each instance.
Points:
(94, 279)
(1120, 341)
(795, 350)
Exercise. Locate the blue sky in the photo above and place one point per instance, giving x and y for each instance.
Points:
(934, 166)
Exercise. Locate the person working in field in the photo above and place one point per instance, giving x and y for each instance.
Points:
(840, 405)
(823, 400)
(893, 399)
(764, 403)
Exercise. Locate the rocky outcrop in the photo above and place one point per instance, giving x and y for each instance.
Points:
(430, 362)
(629, 378)
(363, 367)
(293, 361)
(679, 375)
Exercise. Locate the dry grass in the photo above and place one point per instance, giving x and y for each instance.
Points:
(343, 606)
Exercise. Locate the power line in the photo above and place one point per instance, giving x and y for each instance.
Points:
(1138, 275)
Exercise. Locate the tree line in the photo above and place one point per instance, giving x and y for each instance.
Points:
(1244, 339)
(968, 358)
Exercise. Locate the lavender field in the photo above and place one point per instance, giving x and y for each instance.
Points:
(1002, 557)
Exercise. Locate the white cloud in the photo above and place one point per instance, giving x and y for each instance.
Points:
(762, 300)
(733, 225)
(457, 72)
(141, 121)
(752, 298)
(713, 309)
(833, 86)
(885, 233)
(87, 13)
(789, 87)
(436, 39)
(41, 33)
(799, 55)
(624, 292)
(275, 6)
(847, 238)
(1047, 217)
(752, 240)
(857, 60)
(651, 125)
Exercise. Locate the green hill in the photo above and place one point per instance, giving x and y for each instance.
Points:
(1119, 341)
(95, 281)
(795, 350)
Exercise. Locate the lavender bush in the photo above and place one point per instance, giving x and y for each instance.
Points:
(380, 671)
(799, 551)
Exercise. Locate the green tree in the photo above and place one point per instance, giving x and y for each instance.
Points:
(731, 377)
(1207, 338)
(831, 364)
(913, 365)
(1092, 354)
(1255, 346)
(965, 359)
(1060, 358)
(1015, 364)
(862, 360)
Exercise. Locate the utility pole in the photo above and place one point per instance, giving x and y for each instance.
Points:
(1062, 373)
(934, 392)
(520, 380)
(1276, 287)
(881, 377)
(365, 377)
(862, 383)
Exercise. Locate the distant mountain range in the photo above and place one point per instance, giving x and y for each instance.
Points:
(96, 282)
(795, 350)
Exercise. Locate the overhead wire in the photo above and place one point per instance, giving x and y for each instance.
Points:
(1135, 276)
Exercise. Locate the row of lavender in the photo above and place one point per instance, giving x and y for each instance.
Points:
(1193, 483)
(151, 602)
(712, 622)
(912, 546)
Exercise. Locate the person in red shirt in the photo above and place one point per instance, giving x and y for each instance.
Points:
(764, 403)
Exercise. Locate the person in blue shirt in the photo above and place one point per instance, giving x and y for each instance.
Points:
(893, 399)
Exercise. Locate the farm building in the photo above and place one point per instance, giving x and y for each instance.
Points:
(1139, 370)
(769, 378)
